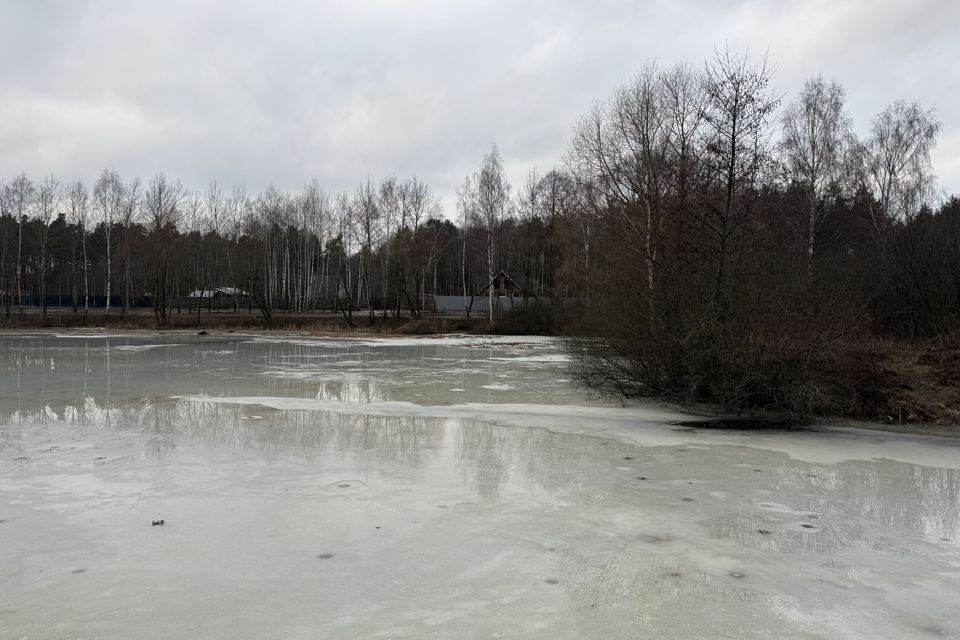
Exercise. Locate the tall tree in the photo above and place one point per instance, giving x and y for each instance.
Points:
(467, 207)
(6, 295)
(20, 198)
(895, 160)
(47, 205)
(131, 201)
(367, 217)
(493, 206)
(78, 203)
(737, 112)
(421, 205)
(162, 205)
(107, 205)
(816, 131)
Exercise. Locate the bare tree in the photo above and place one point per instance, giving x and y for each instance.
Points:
(215, 205)
(312, 209)
(268, 217)
(421, 204)
(641, 141)
(5, 293)
(815, 132)
(367, 218)
(163, 203)
(547, 200)
(107, 204)
(47, 206)
(343, 246)
(131, 198)
(78, 203)
(193, 218)
(467, 207)
(493, 207)
(737, 112)
(21, 193)
(683, 109)
(235, 210)
(895, 160)
(389, 199)
(621, 149)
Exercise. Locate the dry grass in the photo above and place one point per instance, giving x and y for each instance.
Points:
(927, 379)
(308, 323)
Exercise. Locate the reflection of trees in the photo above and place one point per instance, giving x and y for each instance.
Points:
(854, 495)
(174, 423)
(490, 453)
(101, 383)
(482, 447)
(35, 369)
(896, 494)
(362, 391)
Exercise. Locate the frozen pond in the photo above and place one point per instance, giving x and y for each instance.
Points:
(439, 488)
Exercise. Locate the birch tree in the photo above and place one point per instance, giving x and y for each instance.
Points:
(895, 160)
(20, 198)
(47, 205)
(132, 195)
(6, 294)
(815, 132)
(107, 203)
(367, 219)
(493, 202)
(78, 203)
(467, 208)
(621, 149)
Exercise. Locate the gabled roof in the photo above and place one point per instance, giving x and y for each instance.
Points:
(511, 283)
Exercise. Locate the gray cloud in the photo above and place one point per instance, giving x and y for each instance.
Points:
(283, 92)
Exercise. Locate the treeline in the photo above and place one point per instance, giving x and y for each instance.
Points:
(714, 241)
(752, 253)
(386, 249)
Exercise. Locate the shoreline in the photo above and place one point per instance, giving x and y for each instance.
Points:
(706, 417)
(252, 321)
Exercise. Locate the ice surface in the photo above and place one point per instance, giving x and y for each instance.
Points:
(362, 489)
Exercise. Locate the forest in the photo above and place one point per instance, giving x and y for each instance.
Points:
(704, 237)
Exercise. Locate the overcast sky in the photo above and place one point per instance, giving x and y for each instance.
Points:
(283, 92)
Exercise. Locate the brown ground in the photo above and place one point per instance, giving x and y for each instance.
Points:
(310, 323)
(926, 379)
(302, 323)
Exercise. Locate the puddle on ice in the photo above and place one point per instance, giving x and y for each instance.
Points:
(431, 507)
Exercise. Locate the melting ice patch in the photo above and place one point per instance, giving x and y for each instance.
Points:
(554, 357)
(650, 425)
(454, 340)
(142, 347)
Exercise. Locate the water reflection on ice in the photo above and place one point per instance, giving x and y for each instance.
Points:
(414, 369)
(369, 488)
(868, 496)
